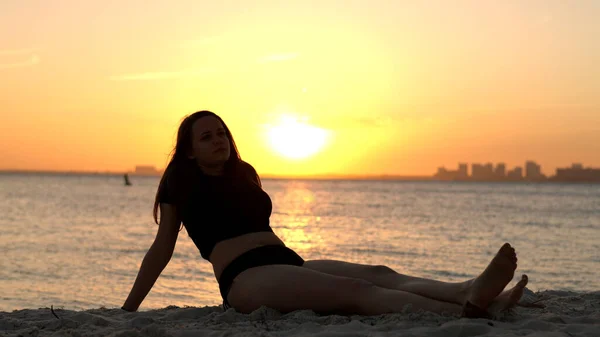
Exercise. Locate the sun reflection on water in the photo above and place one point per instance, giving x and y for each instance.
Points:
(293, 219)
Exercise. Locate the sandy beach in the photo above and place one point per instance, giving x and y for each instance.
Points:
(564, 314)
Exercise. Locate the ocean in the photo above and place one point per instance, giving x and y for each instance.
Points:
(77, 241)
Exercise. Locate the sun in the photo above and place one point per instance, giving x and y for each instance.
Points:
(296, 140)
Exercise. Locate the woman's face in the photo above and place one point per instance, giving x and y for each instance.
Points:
(210, 144)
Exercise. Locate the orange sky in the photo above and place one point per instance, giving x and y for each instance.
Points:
(399, 87)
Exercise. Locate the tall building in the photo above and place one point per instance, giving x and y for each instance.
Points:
(476, 171)
(482, 172)
(463, 171)
(533, 171)
(500, 171)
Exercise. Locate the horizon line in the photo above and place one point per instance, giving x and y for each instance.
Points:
(347, 177)
(263, 176)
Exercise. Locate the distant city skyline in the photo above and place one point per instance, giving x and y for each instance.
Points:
(531, 171)
(488, 171)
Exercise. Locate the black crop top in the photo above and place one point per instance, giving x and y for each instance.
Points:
(219, 208)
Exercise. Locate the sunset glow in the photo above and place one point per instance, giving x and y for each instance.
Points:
(380, 87)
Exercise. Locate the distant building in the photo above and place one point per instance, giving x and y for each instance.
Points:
(460, 174)
(577, 173)
(445, 174)
(500, 171)
(476, 170)
(515, 174)
(577, 166)
(442, 173)
(146, 170)
(482, 172)
(463, 171)
(533, 171)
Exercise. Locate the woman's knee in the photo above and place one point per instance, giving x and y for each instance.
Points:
(381, 270)
(353, 293)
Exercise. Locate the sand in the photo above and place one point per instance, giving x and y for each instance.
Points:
(564, 314)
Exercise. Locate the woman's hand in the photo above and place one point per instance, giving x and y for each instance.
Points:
(127, 309)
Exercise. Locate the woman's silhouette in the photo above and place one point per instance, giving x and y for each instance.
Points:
(220, 201)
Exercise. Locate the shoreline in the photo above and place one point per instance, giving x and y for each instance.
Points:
(565, 314)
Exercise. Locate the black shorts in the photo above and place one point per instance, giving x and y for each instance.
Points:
(260, 256)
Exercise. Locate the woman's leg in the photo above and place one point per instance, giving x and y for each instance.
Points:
(287, 288)
(382, 276)
(385, 277)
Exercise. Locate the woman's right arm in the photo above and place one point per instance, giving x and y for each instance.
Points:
(157, 257)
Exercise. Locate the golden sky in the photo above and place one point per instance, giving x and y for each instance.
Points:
(388, 87)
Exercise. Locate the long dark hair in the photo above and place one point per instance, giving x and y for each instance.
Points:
(182, 171)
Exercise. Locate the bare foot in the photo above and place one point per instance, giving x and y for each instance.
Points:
(509, 298)
(494, 278)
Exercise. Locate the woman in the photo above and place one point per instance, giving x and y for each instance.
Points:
(220, 201)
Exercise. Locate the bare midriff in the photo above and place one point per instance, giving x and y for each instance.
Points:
(227, 250)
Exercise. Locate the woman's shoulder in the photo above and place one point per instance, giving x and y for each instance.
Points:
(248, 167)
(250, 173)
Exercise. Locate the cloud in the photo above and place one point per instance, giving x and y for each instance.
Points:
(278, 57)
(32, 61)
(21, 61)
(161, 75)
